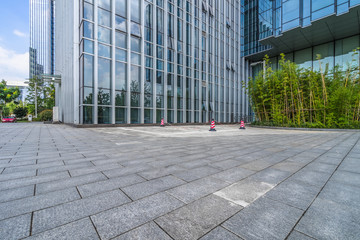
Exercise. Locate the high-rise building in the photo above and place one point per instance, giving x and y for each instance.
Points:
(139, 61)
(304, 30)
(42, 37)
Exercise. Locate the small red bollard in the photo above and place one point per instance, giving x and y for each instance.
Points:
(242, 125)
(212, 126)
(162, 124)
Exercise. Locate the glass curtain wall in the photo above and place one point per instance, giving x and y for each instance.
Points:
(144, 60)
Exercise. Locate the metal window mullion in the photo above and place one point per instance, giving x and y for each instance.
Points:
(113, 64)
(142, 71)
(95, 62)
(165, 24)
(128, 66)
(175, 89)
(154, 69)
(76, 83)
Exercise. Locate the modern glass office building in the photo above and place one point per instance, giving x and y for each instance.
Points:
(138, 61)
(42, 37)
(302, 30)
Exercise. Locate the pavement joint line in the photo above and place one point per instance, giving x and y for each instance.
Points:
(93, 226)
(325, 182)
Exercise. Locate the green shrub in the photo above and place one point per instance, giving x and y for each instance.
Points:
(46, 115)
(20, 112)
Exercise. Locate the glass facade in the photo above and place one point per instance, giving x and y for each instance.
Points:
(144, 60)
(42, 37)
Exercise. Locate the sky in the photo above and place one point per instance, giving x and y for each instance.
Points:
(14, 40)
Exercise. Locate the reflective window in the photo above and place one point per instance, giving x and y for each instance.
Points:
(135, 58)
(104, 17)
(104, 35)
(135, 29)
(120, 76)
(344, 55)
(88, 115)
(326, 54)
(88, 70)
(135, 44)
(120, 115)
(120, 23)
(120, 7)
(120, 98)
(104, 4)
(121, 55)
(88, 11)
(88, 46)
(104, 115)
(135, 115)
(104, 50)
(135, 10)
(88, 29)
(135, 79)
(104, 96)
(104, 73)
(120, 39)
(88, 95)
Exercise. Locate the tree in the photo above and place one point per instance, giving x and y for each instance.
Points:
(8, 94)
(20, 112)
(45, 93)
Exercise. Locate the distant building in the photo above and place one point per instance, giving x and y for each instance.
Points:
(42, 37)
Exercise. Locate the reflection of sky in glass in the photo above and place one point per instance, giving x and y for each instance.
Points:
(104, 18)
(120, 23)
(104, 34)
(41, 20)
(120, 79)
(104, 73)
(135, 29)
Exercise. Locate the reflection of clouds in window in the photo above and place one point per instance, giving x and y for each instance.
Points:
(121, 55)
(104, 34)
(88, 30)
(88, 70)
(104, 50)
(88, 11)
(135, 29)
(120, 6)
(104, 18)
(120, 39)
(120, 79)
(135, 58)
(104, 4)
(135, 79)
(104, 73)
(120, 23)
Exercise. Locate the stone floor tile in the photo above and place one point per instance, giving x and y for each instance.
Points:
(270, 176)
(233, 175)
(16, 193)
(119, 220)
(220, 233)
(197, 218)
(295, 235)
(329, 220)
(30, 204)
(79, 230)
(197, 189)
(16, 227)
(160, 172)
(196, 173)
(108, 185)
(346, 177)
(264, 219)
(145, 232)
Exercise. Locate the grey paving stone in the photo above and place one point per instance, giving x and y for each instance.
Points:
(233, 175)
(311, 177)
(16, 193)
(63, 168)
(196, 173)
(196, 219)
(30, 204)
(123, 171)
(270, 176)
(147, 188)
(62, 214)
(288, 166)
(93, 169)
(295, 235)
(16, 227)
(329, 220)
(80, 230)
(21, 182)
(192, 191)
(108, 185)
(119, 220)
(69, 182)
(350, 165)
(264, 219)
(145, 232)
(33, 167)
(346, 177)
(193, 163)
(257, 165)
(220, 233)
(329, 160)
(344, 194)
(15, 175)
(321, 167)
(244, 192)
(296, 194)
(226, 164)
(160, 172)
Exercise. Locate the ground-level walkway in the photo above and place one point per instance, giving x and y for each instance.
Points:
(178, 182)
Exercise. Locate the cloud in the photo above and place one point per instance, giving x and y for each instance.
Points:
(13, 66)
(19, 34)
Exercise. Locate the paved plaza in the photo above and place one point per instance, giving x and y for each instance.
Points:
(178, 182)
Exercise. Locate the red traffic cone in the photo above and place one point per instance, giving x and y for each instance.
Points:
(162, 124)
(212, 126)
(242, 125)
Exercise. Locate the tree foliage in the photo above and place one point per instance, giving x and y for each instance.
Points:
(20, 112)
(8, 94)
(293, 96)
(45, 93)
